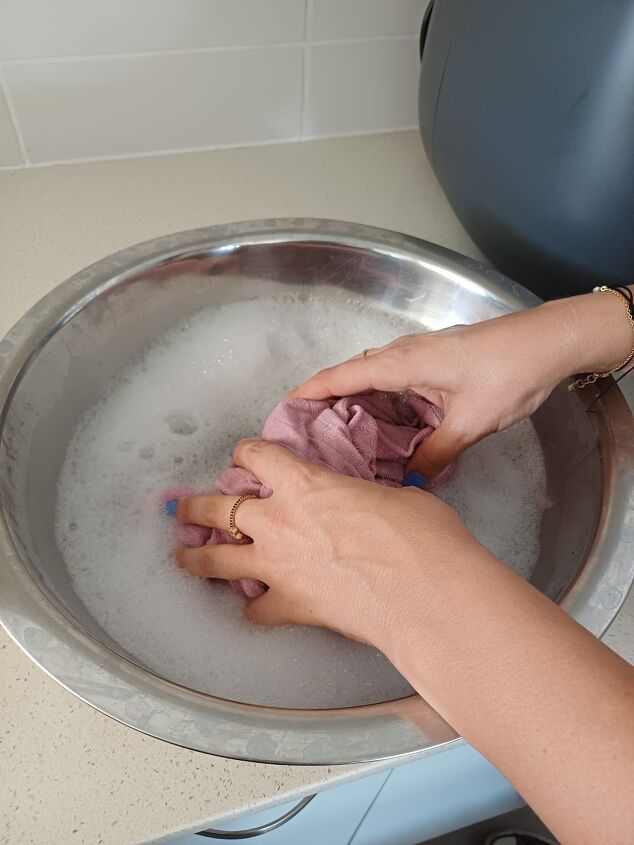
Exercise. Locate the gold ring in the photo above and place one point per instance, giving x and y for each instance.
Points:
(233, 528)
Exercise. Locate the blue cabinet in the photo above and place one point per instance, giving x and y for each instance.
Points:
(403, 806)
(331, 818)
(436, 795)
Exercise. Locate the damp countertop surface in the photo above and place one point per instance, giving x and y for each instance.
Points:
(69, 774)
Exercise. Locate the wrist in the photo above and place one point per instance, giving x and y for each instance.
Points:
(599, 333)
(423, 617)
(473, 622)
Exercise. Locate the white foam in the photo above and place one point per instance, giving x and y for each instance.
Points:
(171, 419)
(499, 489)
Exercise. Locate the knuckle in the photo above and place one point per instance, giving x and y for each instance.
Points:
(256, 448)
(207, 558)
(248, 447)
(305, 475)
(395, 356)
(209, 512)
(395, 352)
(461, 430)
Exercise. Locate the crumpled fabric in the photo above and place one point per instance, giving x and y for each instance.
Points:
(369, 436)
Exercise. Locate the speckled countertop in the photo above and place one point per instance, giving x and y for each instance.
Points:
(68, 774)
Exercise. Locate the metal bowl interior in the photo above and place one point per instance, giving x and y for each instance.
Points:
(57, 360)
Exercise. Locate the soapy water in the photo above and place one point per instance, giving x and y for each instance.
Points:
(171, 419)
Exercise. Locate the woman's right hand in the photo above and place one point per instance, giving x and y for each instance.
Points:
(488, 375)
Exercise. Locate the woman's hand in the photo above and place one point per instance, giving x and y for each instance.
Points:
(338, 552)
(548, 704)
(489, 375)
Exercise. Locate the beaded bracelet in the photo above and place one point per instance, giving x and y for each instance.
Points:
(625, 294)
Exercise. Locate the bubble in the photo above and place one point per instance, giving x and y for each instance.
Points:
(610, 597)
(180, 424)
(499, 490)
(121, 562)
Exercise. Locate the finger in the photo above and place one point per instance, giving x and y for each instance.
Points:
(271, 463)
(371, 350)
(441, 448)
(224, 561)
(213, 511)
(403, 340)
(267, 610)
(372, 372)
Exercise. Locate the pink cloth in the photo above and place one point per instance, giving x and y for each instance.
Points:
(368, 436)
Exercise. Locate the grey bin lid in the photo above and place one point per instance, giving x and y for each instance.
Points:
(527, 116)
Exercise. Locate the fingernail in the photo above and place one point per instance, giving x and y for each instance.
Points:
(170, 507)
(414, 479)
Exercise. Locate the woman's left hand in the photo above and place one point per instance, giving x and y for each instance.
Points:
(338, 552)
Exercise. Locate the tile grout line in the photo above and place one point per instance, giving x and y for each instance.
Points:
(187, 51)
(270, 142)
(308, 7)
(360, 133)
(14, 120)
(308, 12)
(333, 136)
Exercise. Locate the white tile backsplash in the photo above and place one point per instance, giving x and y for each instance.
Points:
(365, 86)
(46, 28)
(10, 154)
(110, 107)
(332, 19)
(90, 79)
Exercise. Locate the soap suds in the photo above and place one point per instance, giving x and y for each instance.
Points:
(171, 419)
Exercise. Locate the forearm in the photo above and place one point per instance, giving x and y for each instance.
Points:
(548, 704)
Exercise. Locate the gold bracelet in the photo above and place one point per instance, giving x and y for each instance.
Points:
(592, 377)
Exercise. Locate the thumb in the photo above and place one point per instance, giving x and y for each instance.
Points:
(442, 447)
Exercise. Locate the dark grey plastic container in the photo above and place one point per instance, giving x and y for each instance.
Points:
(527, 116)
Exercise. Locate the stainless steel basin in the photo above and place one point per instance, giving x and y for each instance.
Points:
(58, 358)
